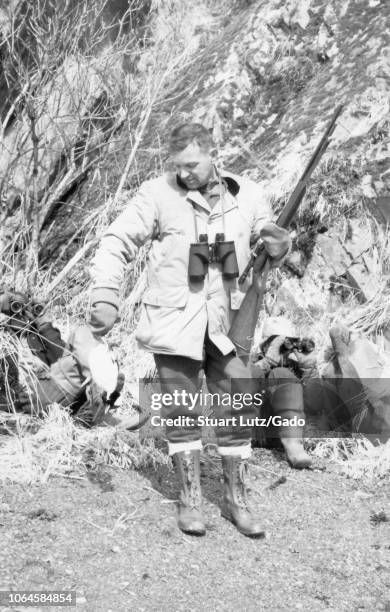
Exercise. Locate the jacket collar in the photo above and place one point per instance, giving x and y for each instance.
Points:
(231, 184)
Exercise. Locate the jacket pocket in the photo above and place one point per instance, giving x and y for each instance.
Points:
(161, 321)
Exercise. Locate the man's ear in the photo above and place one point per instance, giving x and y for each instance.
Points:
(214, 154)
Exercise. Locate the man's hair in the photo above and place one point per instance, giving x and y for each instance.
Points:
(186, 133)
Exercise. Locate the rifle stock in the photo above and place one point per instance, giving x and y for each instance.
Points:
(244, 323)
(249, 311)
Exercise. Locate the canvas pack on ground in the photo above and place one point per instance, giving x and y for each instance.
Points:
(358, 380)
(64, 376)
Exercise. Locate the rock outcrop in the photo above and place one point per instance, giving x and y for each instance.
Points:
(264, 76)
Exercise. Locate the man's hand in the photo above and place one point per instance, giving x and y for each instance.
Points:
(271, 358)
(103, 318)
(277, 243)
(307, 363)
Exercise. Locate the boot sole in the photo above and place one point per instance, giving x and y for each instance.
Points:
(194, 532)
(248, 534)
(301, 465)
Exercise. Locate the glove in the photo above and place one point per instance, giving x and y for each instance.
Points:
(103, 318)
(277, 243)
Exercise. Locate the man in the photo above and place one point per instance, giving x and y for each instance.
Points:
(191, 296)
(286, 368)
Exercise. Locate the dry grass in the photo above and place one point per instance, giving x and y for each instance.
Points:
(36, 450)
(59, 447)
(56, 446)
(358, 457)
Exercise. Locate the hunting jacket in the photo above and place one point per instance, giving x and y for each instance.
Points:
(165, 215)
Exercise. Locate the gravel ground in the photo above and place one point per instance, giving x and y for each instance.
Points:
(113, 539)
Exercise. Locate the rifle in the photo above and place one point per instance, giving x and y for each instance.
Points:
(244, 323)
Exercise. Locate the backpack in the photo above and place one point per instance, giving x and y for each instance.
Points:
(359, 376)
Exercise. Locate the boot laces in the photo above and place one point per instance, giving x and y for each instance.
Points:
(242, 476)
(193, 497)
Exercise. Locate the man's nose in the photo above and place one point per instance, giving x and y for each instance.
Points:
(183, 173)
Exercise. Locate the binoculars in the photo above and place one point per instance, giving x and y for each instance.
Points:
(302, 345)
(221, 251)
(18, 305)
(18, 308)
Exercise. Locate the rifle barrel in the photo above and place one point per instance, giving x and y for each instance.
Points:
(288, 212)
(322, 145)
(244, 322)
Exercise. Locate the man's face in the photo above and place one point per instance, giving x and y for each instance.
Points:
(193, 165)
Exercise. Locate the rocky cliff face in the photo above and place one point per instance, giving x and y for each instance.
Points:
(264, 76)
(266, 87)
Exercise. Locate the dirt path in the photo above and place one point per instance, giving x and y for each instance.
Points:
(113, 539)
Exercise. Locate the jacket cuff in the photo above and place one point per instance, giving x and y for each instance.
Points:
(109, 296)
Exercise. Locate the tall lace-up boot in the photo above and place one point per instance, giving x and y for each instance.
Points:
(235, 506)
(190, 519)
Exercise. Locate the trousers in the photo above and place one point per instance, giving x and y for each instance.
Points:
(229, 396)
